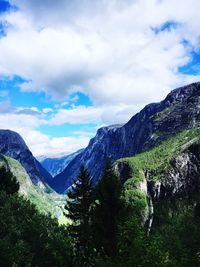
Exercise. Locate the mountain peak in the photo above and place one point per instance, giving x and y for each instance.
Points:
(13, 145)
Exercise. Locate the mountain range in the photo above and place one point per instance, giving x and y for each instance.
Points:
(148, 128)
(56, 165)
(156, 153)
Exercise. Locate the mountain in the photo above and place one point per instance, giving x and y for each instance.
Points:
(12, 145)
(157, 122)
(56, 165)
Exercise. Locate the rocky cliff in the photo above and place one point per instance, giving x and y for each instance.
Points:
(12, 145)
(170, 170)
(155, 123)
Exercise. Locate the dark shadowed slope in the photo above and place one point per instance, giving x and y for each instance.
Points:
(12, 145)
(56, 165)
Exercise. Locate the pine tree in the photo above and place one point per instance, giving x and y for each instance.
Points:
(107, 212)
(8, 181)
(79, 203)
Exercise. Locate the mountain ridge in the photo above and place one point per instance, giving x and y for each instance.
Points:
(149, 127)
(13, 145)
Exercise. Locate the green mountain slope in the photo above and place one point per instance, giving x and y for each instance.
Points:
(158, 159)
(44, 198)
(171, 168)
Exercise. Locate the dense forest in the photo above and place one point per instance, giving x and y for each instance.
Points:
(104, 228)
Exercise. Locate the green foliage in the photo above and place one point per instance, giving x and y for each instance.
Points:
(28, 238)
(135, 201)
(105, 230)
(8, 182)
(157, 160)
(138, 250)
(175, 242)
(178, 229)
(79, 203)
(44, 199)
(107, 212)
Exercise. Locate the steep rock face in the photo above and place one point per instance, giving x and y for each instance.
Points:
(56, 165)
(103, 145)
(182, 177)
(155, 123)
(12, 145)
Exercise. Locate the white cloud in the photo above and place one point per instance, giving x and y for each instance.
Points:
(104, 115)
(47, 110)
(106, 49)
(109, 50)
(77, 115)
(39, 143)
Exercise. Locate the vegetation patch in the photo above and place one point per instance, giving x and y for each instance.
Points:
(157, 160)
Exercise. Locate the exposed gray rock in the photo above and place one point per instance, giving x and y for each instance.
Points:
(182, 177)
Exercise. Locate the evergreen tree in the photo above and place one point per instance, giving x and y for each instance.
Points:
(107, 211)
(29, 238)
(79, 203)
(8, 181)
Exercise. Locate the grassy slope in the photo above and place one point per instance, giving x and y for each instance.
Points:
(45, 202)
(158, 158)
(156, 161)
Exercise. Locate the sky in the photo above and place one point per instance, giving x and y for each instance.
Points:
(70, 67)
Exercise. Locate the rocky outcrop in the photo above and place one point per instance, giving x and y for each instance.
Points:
(12, 145)
(155, 123)
(180, 179)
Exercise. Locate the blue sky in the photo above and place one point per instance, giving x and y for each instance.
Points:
(68, 68)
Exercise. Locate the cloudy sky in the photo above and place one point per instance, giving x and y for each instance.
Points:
(68, 67)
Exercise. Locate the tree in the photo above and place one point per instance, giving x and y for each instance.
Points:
(79, 203)
(29, 238)
(8, 181)
(107, 211)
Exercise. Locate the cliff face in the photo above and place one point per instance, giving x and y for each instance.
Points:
(162, 175)
(182, 177)
(12, 145)
(155, 123)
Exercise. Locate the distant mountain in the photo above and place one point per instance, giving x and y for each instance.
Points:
(157, 122)
(56, 165)
(12, 145)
